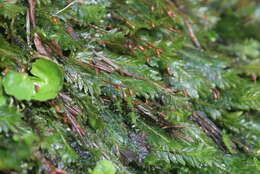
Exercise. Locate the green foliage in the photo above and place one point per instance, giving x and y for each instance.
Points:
(11, 9)
(44, 85)
(50, 79)
(91, 13)
(16, 140)
(3, 98)
(153, 87)
(104, 167)
(19, 85)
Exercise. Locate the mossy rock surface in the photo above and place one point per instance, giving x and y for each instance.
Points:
(136, 86)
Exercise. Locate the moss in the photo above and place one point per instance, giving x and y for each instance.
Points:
(151, 86)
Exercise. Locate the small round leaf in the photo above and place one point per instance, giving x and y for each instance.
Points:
(44, 85)
(49, 79)
(18, 85)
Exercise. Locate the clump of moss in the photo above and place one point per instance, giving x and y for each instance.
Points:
(149, 87)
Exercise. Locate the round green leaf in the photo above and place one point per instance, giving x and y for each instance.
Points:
(104, 167)
(18, 85)
(44, 85)
(49, 81)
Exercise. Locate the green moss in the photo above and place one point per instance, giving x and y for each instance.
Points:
(136, 94)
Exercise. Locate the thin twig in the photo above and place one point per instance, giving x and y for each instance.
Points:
(122, 71)
(192, 35)
(68, 6)
(28, 28)
(32, 4)
(107, 60)
(155, 132)
(188, 25)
